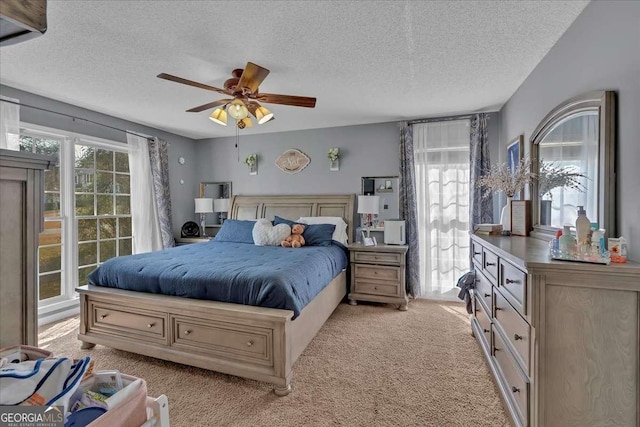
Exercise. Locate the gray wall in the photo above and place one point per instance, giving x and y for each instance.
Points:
(181, 194)
(365, 150)
(600, 50)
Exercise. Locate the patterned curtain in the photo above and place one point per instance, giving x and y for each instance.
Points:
(481, 208)
(159, 159)
(408, 208)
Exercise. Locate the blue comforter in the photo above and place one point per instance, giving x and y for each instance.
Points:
(266, 276)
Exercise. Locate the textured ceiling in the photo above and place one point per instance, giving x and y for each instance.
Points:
(366, 62)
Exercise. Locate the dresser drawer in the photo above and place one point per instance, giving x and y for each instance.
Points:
(476, 253)
(364, 286)
(114, 319)
(513, 284)
(515, 328)
(484, 290)
(385, 258)
(484, 321)
(490, 263)
(515, 383)
(230, 340)
(389, 274)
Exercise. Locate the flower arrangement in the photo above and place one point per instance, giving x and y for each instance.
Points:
(333, 154)
(551, 176)
(500, 178)
(250, 160)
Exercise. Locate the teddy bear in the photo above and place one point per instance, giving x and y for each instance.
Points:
(295, 239)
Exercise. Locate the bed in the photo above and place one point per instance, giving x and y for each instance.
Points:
(259, 343)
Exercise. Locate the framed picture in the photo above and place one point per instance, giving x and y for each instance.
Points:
(515, 153)
(520, 217)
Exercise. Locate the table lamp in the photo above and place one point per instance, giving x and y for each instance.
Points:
(203, 207)
(368, 205)
(221, 206)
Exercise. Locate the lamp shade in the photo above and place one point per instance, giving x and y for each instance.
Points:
(219, 116)
(263, 115)
(221, 205)
(204, 205)
(368, 204)
(237, 110)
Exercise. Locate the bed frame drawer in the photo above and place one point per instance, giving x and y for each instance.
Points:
(389, 274)
(229, 340)
(376, 258)
(115, 320)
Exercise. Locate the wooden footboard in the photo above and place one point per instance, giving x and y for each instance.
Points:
(246, 341)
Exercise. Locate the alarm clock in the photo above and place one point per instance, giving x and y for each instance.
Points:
(190, 229)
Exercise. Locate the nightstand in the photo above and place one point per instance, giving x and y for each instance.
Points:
(180, 241)
(377, 274)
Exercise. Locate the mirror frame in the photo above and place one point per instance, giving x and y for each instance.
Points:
(603, 102)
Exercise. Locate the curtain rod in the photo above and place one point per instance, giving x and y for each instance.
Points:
(78, 118)
(443, 119)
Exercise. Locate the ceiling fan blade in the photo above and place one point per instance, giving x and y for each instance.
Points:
(296, 101)
(252, 76)
(177, 79)
(209, 105)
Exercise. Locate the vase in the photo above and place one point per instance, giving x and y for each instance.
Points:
(505, 218)
(545, 212)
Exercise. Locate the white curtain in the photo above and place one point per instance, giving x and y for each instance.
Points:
(442, 168)
(9, 124)
(145, 224)
(574, 144)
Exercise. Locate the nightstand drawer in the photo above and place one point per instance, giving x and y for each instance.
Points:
(374, 288)
(389, 274)
(376, 258)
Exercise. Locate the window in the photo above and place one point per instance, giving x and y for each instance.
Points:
(87, 213)
(442, 167)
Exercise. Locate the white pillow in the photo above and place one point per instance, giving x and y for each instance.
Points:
(340, 232)
(266, 234)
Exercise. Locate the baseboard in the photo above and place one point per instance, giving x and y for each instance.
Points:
(58, 315)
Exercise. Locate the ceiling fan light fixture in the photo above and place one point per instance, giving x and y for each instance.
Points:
(263, 115)
(237, 110)
(245, 123)
(219, 116)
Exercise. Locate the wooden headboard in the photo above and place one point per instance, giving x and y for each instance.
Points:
(293, 207)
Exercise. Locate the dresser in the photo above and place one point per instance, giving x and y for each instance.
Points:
(21, 200)
(562, 339)
(378, 274)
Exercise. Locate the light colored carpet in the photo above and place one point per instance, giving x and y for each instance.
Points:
(370, 365)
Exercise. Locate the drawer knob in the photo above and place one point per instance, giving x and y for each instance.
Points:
(498, 308)
(150, 325)
(187, 332)
(476, 253)
(490, 264)
(375, 288)
(486, 331)
(508, 281)
(487, 295)
(249, 343)
(517, 337)
(515, 389)
(103, 316)
(375, 272)
(495, 349)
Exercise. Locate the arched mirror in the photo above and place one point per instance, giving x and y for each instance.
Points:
(573, 158)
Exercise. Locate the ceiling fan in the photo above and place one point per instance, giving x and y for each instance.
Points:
(242, 87)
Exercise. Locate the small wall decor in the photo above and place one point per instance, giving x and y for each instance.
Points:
(252, 162)
(292, 161)
(334, 159)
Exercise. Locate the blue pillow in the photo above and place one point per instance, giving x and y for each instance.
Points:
(234, 230)
(314, 234)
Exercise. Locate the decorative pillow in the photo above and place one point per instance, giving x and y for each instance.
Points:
(267, 234)
(234, 230)
(339, 234)
(314, 234)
